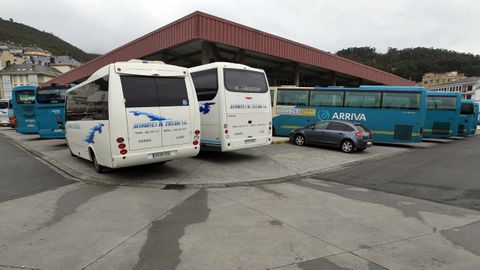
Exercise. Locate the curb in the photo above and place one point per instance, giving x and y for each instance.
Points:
(78, 176)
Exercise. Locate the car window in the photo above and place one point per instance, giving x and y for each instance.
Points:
(321, 125)
(337, 126)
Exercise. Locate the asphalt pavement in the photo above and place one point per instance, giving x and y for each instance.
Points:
(22, 175)
(448, 173)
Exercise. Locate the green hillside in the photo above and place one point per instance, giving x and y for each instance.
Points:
(26, 36)
(412, 63)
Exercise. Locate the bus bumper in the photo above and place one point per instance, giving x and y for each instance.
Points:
(49, 134)
(230, 145)
(153, 156)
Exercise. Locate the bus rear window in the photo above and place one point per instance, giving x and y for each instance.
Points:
(245, 81)
(51, 96)
(446, 103)
(3, 104)
(145, 91)
(25, 97)
(467, 108)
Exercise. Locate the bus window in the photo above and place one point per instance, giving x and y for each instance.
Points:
(405, 101)
(89, 102)
(431, 103)
(467, 108)
(51, 96)
(144, 91)
(25, 97)
(292, 98)
(362, 99)
(446, 103)
(245, 81)
(206, 84)
(326, 98)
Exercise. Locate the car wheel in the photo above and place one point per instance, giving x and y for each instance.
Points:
(299, 140)
(99, 168)
(347, 146)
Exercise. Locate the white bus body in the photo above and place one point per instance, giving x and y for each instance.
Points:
(235, 110)
(133, 113)
(4, 119)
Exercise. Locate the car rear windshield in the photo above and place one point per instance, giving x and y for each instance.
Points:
(51, 96)
(146, 91)
(25, 97)
(245, 81)
(467, 108)
(362, 128)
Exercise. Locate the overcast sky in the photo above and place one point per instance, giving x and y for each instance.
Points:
(98, 26)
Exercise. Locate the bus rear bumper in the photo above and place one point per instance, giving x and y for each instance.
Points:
(48, 134)
(231, 145)
(136, 158)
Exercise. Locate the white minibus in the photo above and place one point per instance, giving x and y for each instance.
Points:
(235, 110)
(133, 113)
(4, 119)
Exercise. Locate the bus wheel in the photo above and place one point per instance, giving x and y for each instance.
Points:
(347, 146)
(99, 168)
(299, 140)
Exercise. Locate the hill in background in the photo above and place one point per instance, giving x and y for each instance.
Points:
(412, 63)
(26, 36)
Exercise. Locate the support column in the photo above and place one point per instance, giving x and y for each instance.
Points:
(205, 53)
(296, 79)
(333, 78)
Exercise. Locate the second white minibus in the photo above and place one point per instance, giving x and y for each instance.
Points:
(235, 109)
(133, 113)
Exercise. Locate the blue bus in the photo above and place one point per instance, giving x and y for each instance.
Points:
(468, 118)
(23, 104)
(443, 114)
(50, 110)
(394, 114)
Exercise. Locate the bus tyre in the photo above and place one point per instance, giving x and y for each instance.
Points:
(99, 168)
(347, 146)
(299, 140)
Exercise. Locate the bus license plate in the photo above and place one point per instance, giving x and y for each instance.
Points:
(247, 141)
(162, 154)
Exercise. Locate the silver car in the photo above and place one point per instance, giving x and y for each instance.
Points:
(346, 136)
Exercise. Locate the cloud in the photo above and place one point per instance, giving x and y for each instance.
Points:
(100, 26)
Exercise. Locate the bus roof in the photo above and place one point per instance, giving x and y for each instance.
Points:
(25, 87)
(444, 94)
(224, 65)
(376, 88)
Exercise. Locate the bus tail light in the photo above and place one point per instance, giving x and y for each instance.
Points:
(120, 140)
(122, 146)
(197, 132)
(195, 142)
(226, 131)
(123, 151)
(225, 126)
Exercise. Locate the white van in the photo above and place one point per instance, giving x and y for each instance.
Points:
(235, 107)
(4, 107)
(133, 113)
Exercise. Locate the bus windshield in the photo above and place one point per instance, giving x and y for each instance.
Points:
(467, 108)
(51, 96)
(245, 81)
(25, 97)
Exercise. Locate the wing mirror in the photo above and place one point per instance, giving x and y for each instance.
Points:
(312, 127)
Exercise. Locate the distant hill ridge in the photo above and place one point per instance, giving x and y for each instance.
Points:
(26, 36)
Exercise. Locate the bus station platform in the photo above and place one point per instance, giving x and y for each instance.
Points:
(278, 162)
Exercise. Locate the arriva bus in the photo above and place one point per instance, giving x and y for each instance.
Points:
(23, 104)
(235, 110)
(468, 118)
(4, 120)
(50, 110)
(443, 114)
(133, 113)
(394, 114)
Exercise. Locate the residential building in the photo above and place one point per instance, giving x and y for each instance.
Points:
(62, 63)
(24, 74)
(469, 87)
(7, 59)
(433, 79)
(36, 51)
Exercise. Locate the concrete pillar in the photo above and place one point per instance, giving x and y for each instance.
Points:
(333, 78)
(205, 53)
(296, 79)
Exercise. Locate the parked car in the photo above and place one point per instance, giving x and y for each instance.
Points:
(347, 136)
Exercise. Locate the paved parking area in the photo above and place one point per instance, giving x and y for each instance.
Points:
(272, 163)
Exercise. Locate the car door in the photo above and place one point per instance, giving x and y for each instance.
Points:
(317, 132)
(335, 133)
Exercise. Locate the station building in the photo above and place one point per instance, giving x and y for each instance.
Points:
(200, 38)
